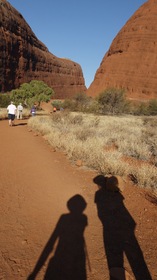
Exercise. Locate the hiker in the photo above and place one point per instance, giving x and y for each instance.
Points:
(19, 111)
(11, 113)
(54, 109)
(33, 111)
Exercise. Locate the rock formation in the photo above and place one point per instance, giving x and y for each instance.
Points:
(131, 61)
(24, 58)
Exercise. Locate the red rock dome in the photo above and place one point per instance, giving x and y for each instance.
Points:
(24, 58)
(131, 61)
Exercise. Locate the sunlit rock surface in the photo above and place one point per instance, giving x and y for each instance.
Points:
(23, 58)
(131, 61)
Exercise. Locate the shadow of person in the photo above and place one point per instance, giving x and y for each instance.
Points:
(69, 257)
(118, 230)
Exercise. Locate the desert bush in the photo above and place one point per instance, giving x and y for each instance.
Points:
(145, 108)
(139, 108)
(69, 104)
(112, 101)
(152, 107)
(93, 107)
(81, 103)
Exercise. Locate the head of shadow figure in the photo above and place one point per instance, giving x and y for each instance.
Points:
(66, 245)
(118, 232)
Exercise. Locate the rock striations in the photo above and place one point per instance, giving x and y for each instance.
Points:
(131, 61)
(24, 58)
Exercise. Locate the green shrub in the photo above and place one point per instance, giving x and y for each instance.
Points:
(4, 100)
(140, 109)
(112, 101)
(152, 107)
(69, 104)
(148, 108)
(79, 103)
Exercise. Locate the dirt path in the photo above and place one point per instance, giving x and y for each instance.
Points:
(35, 185)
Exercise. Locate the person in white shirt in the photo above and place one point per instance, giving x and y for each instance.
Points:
(19, 111)
(11, 113)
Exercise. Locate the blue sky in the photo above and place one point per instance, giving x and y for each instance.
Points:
(81, 30)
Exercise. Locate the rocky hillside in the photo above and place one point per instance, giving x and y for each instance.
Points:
(23, 58)
(131, 61)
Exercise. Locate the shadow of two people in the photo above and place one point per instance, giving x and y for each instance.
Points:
(69, 259)
(118, 230)
(69, 256)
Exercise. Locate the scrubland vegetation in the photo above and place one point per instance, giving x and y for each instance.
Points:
(108, 134)
(117, 145)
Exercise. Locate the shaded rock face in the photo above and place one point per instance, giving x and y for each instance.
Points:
(131, 61)
(24, 58)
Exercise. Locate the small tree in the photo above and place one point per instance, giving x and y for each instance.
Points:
(81, 101)
(141, 109)
(69, 104)
(78, 103)
(33, 92)
(112, 101)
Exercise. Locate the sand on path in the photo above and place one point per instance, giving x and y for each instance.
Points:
(35, 185)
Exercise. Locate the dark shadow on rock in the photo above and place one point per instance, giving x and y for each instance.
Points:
(118, 231)
(67, 244)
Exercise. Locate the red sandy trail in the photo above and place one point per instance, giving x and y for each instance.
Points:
(35, 185)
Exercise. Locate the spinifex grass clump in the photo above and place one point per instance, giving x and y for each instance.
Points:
(109, 144)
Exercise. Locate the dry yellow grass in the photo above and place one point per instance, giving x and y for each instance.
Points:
(104, 142)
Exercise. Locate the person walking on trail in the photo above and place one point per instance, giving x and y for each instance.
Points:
(54, 109)
(11, 109)
(33, 111)
(19, 111)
